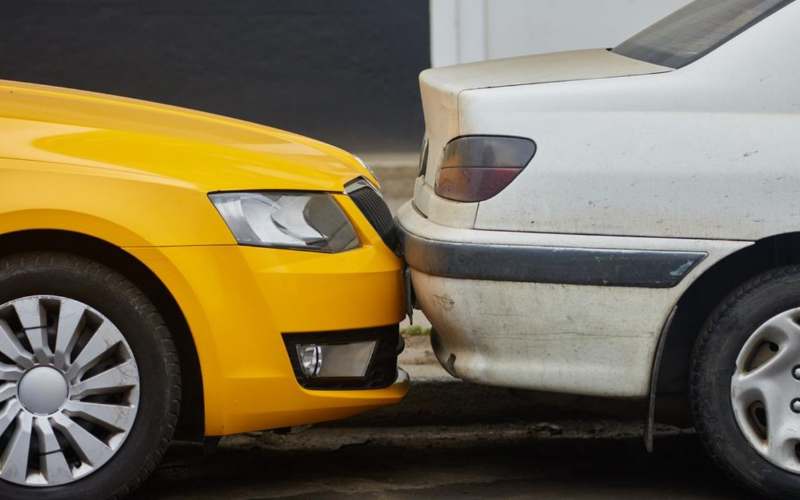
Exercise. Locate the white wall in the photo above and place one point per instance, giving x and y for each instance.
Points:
(475, 30)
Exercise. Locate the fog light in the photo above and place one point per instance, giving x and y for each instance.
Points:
(345, 359)
(335, 360)
(310, 357)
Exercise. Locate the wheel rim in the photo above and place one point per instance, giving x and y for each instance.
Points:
(69, 390)
(765, 390)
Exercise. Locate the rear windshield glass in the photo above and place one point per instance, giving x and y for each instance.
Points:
(696, 30)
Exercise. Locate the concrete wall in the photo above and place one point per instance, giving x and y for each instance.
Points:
(344, 71)
(475, 30)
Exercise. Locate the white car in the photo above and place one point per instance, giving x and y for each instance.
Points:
(626, 223)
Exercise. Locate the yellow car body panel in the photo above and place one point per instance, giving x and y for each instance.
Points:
(117, 207)
(137, 175)
(206, 151)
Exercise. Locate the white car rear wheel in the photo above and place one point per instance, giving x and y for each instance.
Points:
(745, 383)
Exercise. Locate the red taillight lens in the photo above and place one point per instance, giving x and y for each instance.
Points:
(477, 167)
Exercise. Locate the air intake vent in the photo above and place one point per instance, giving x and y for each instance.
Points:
(371, 204)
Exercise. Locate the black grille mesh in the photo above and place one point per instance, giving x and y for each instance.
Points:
(377, 213)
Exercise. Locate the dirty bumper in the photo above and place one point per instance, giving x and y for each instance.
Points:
(578, 314)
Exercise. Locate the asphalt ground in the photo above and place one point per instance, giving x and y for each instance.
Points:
(453, 440)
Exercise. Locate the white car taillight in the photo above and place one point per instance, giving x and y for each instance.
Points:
(476, 168)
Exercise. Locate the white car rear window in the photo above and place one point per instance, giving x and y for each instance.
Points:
(697, 29)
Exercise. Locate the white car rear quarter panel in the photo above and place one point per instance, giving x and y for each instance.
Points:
(661, 174)
(707, 151)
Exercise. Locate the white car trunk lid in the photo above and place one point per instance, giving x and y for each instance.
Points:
(544, 68)
(441, 87)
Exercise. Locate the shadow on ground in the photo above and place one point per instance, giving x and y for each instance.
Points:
(454, 441)
(470, 467)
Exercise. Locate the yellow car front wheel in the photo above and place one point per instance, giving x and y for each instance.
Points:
(89, 380)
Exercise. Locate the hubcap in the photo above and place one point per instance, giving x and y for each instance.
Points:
(765, 390)
(43, 390)
(69, 390)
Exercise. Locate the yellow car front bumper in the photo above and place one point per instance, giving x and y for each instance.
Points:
(238, 301)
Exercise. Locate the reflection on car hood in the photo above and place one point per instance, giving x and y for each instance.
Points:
(209, 151)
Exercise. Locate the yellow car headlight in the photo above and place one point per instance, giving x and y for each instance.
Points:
(304, 221)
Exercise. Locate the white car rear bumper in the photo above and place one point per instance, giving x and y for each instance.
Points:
(564, 313)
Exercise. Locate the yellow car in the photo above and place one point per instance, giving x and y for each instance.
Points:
(170, 271)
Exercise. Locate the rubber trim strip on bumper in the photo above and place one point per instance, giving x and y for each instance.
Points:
(545, 264)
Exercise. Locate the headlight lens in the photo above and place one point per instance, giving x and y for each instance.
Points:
(307, 221)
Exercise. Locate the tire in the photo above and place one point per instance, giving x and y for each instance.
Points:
(151, 398)
(733, 409)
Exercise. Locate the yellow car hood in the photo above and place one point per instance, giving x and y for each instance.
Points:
(210, 152)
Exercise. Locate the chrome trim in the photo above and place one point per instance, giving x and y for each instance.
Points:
(360, 183)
